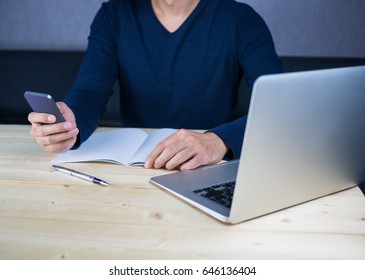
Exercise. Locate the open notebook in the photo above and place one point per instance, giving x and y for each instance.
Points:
(127, 146)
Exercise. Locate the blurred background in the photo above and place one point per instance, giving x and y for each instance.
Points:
(326, 28)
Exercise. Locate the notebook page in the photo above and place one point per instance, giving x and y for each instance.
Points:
(117, 146)
(150, 143)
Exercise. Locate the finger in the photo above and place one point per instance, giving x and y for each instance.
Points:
(169, 153)
(192, 163)
(57, 138)
(45, 130)
(172, 140)
(179, 158)
(168, 148)
(162, 154)
(152, 157)
(63, 107)
(60, 146)
(39, 118)
(157, 151)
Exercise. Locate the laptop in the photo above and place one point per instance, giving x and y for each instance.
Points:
(304, 139)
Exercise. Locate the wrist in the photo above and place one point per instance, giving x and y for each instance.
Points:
(221, 146)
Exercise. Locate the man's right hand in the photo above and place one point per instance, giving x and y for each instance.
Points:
(54, 138)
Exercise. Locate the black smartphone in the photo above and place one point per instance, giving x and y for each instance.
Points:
(43, 103)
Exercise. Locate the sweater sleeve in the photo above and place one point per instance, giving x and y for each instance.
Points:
(97, 74)
(257, 56)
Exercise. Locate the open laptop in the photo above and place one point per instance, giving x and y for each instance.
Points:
(304, 139)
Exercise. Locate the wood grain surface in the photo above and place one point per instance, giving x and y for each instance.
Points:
(45, 214)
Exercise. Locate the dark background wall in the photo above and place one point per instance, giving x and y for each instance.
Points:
(334, 28)
(299, 27)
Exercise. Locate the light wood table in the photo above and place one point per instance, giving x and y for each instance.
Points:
(48, 215)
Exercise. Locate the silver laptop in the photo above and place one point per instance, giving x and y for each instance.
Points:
(304, 139)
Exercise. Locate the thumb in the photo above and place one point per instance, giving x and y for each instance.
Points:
(66, 112)
(63, 107)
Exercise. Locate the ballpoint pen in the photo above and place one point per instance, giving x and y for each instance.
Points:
(79, 175)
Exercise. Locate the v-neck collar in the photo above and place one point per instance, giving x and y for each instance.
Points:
(156, 21)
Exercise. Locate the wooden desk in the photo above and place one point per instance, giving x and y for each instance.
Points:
(49, 215)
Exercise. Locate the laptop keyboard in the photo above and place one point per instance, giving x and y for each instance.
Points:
(222, 193)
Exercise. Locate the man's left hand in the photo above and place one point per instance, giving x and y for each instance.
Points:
(187, 150)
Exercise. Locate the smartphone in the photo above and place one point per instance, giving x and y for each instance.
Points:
(43, 103)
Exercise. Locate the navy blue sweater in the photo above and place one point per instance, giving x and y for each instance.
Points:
(185, 79)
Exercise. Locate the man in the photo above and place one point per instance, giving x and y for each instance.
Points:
(179, 64)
